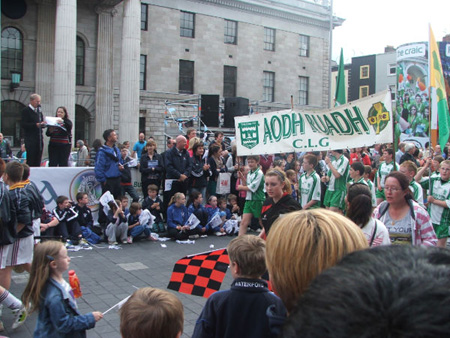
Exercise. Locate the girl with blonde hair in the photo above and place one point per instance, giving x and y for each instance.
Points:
(304, 243)
(52, 295)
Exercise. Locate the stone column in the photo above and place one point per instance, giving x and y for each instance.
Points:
(65, 56)
(45, 46)
(129, 72)
(104, 87)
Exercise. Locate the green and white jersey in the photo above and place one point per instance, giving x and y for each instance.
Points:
(255, 183)
(372, 190)
(417, 191)
(440, 190)
(309, 189)
(341, 164)
(424, 180)
(370, 186)
(385, 169)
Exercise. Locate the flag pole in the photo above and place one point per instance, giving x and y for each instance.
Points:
(394, 139)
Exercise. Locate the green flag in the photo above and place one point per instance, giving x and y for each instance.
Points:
(438, 86)
(339, 97)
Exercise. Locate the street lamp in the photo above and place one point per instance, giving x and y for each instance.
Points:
(15, 80)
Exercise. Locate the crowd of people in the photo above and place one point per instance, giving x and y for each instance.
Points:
(317, 217)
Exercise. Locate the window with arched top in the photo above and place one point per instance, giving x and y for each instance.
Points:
(12, 52)
(80, 62)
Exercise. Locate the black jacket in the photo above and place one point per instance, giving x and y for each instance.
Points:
(28, 123)
(199, 177)
(177, 163)
(147, 165)
(7, 216)
(36, 200)
(271, 211)
(21, 203)
(125, 174)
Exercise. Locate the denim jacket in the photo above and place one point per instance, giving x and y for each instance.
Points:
(59, 316)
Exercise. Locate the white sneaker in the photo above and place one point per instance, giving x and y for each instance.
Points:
(194, 236)
(20, 315)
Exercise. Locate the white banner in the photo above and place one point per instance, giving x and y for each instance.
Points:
(359, 123)
(68, 181)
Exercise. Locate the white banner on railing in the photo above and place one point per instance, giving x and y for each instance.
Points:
(357, 124)
(68, 181)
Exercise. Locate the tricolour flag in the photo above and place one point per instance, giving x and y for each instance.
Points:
(438, 93)
(200, 274)
(339, 97)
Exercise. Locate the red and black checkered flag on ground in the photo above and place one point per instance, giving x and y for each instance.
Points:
(200, 274)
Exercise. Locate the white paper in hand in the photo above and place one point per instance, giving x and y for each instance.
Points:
(192, 222)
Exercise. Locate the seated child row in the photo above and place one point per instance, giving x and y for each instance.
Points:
(72, 222)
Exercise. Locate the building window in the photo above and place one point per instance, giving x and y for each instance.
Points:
(269, 39)
(269, 87)
(392, 89)
(304, 45)
(12, 52)
(303, 91)
(363, 91)
(142, 121)
(229, 81)
(144, 17)
(79, 75)
(143, 73)
(364, 72)
(186, 80)
(230, 32)
(392, 70)
(187, 24)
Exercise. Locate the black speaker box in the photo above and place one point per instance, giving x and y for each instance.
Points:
(234, 106)
(210, 110)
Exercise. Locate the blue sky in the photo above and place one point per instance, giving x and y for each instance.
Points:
(372, 25)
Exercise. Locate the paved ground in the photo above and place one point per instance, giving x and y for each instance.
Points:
(107, 276)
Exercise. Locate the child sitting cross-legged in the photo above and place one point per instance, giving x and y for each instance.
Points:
(135, 228)
(177, 217)
(153, 203)
(214, 213)
(241, 311)
(195, 207)
(117, 223)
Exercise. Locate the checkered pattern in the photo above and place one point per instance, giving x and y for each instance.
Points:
(200, 274)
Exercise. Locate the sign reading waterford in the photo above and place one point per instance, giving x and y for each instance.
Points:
(359, 123)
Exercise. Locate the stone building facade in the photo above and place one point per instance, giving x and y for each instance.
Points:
(121, 64)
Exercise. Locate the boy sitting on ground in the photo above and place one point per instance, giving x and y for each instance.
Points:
(153, 203)
(241, 311)
(68, 226)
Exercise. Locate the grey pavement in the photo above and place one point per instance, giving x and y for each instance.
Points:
(107, 276)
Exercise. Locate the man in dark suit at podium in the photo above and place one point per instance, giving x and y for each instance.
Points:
(32, 124)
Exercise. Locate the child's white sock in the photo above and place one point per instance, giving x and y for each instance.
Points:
(9, 300)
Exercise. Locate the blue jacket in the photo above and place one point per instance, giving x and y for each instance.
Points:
(177, 163)
(177, 215)
(107, 163)
(59, 316)
(239, 312)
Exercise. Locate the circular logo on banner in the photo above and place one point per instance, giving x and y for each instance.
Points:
(85, 181)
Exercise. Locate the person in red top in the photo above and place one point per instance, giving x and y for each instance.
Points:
(360, 155)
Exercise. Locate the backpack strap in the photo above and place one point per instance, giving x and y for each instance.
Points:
(374, 233)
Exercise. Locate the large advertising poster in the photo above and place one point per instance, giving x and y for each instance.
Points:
(444, 51)
(412, 107)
